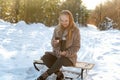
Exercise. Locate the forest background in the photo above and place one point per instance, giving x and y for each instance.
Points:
(47, 11)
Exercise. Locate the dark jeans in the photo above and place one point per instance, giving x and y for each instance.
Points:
(54, 64)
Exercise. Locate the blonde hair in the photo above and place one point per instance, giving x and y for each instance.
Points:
(71, 23)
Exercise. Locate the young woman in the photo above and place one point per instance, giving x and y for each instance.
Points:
(65, 43)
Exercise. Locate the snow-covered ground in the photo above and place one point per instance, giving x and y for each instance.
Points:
(21, 43)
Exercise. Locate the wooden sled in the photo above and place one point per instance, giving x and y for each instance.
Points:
(84, 66)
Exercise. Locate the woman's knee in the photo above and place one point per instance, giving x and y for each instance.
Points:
(47, 55)
(48, 59)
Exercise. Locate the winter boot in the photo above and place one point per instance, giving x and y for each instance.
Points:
(43, 76)
(60, 75)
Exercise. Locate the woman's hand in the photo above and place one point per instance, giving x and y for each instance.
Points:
(56, 41)
(62, 53)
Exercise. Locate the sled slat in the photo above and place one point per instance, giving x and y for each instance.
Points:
(38, 61)
(84, 65)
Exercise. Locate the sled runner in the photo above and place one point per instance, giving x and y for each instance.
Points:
(84, 66)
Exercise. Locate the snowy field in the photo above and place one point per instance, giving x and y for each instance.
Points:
(21, 43)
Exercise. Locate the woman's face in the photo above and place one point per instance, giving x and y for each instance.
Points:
(64, 20)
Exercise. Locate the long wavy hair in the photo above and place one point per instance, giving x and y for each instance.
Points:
(71, 25)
